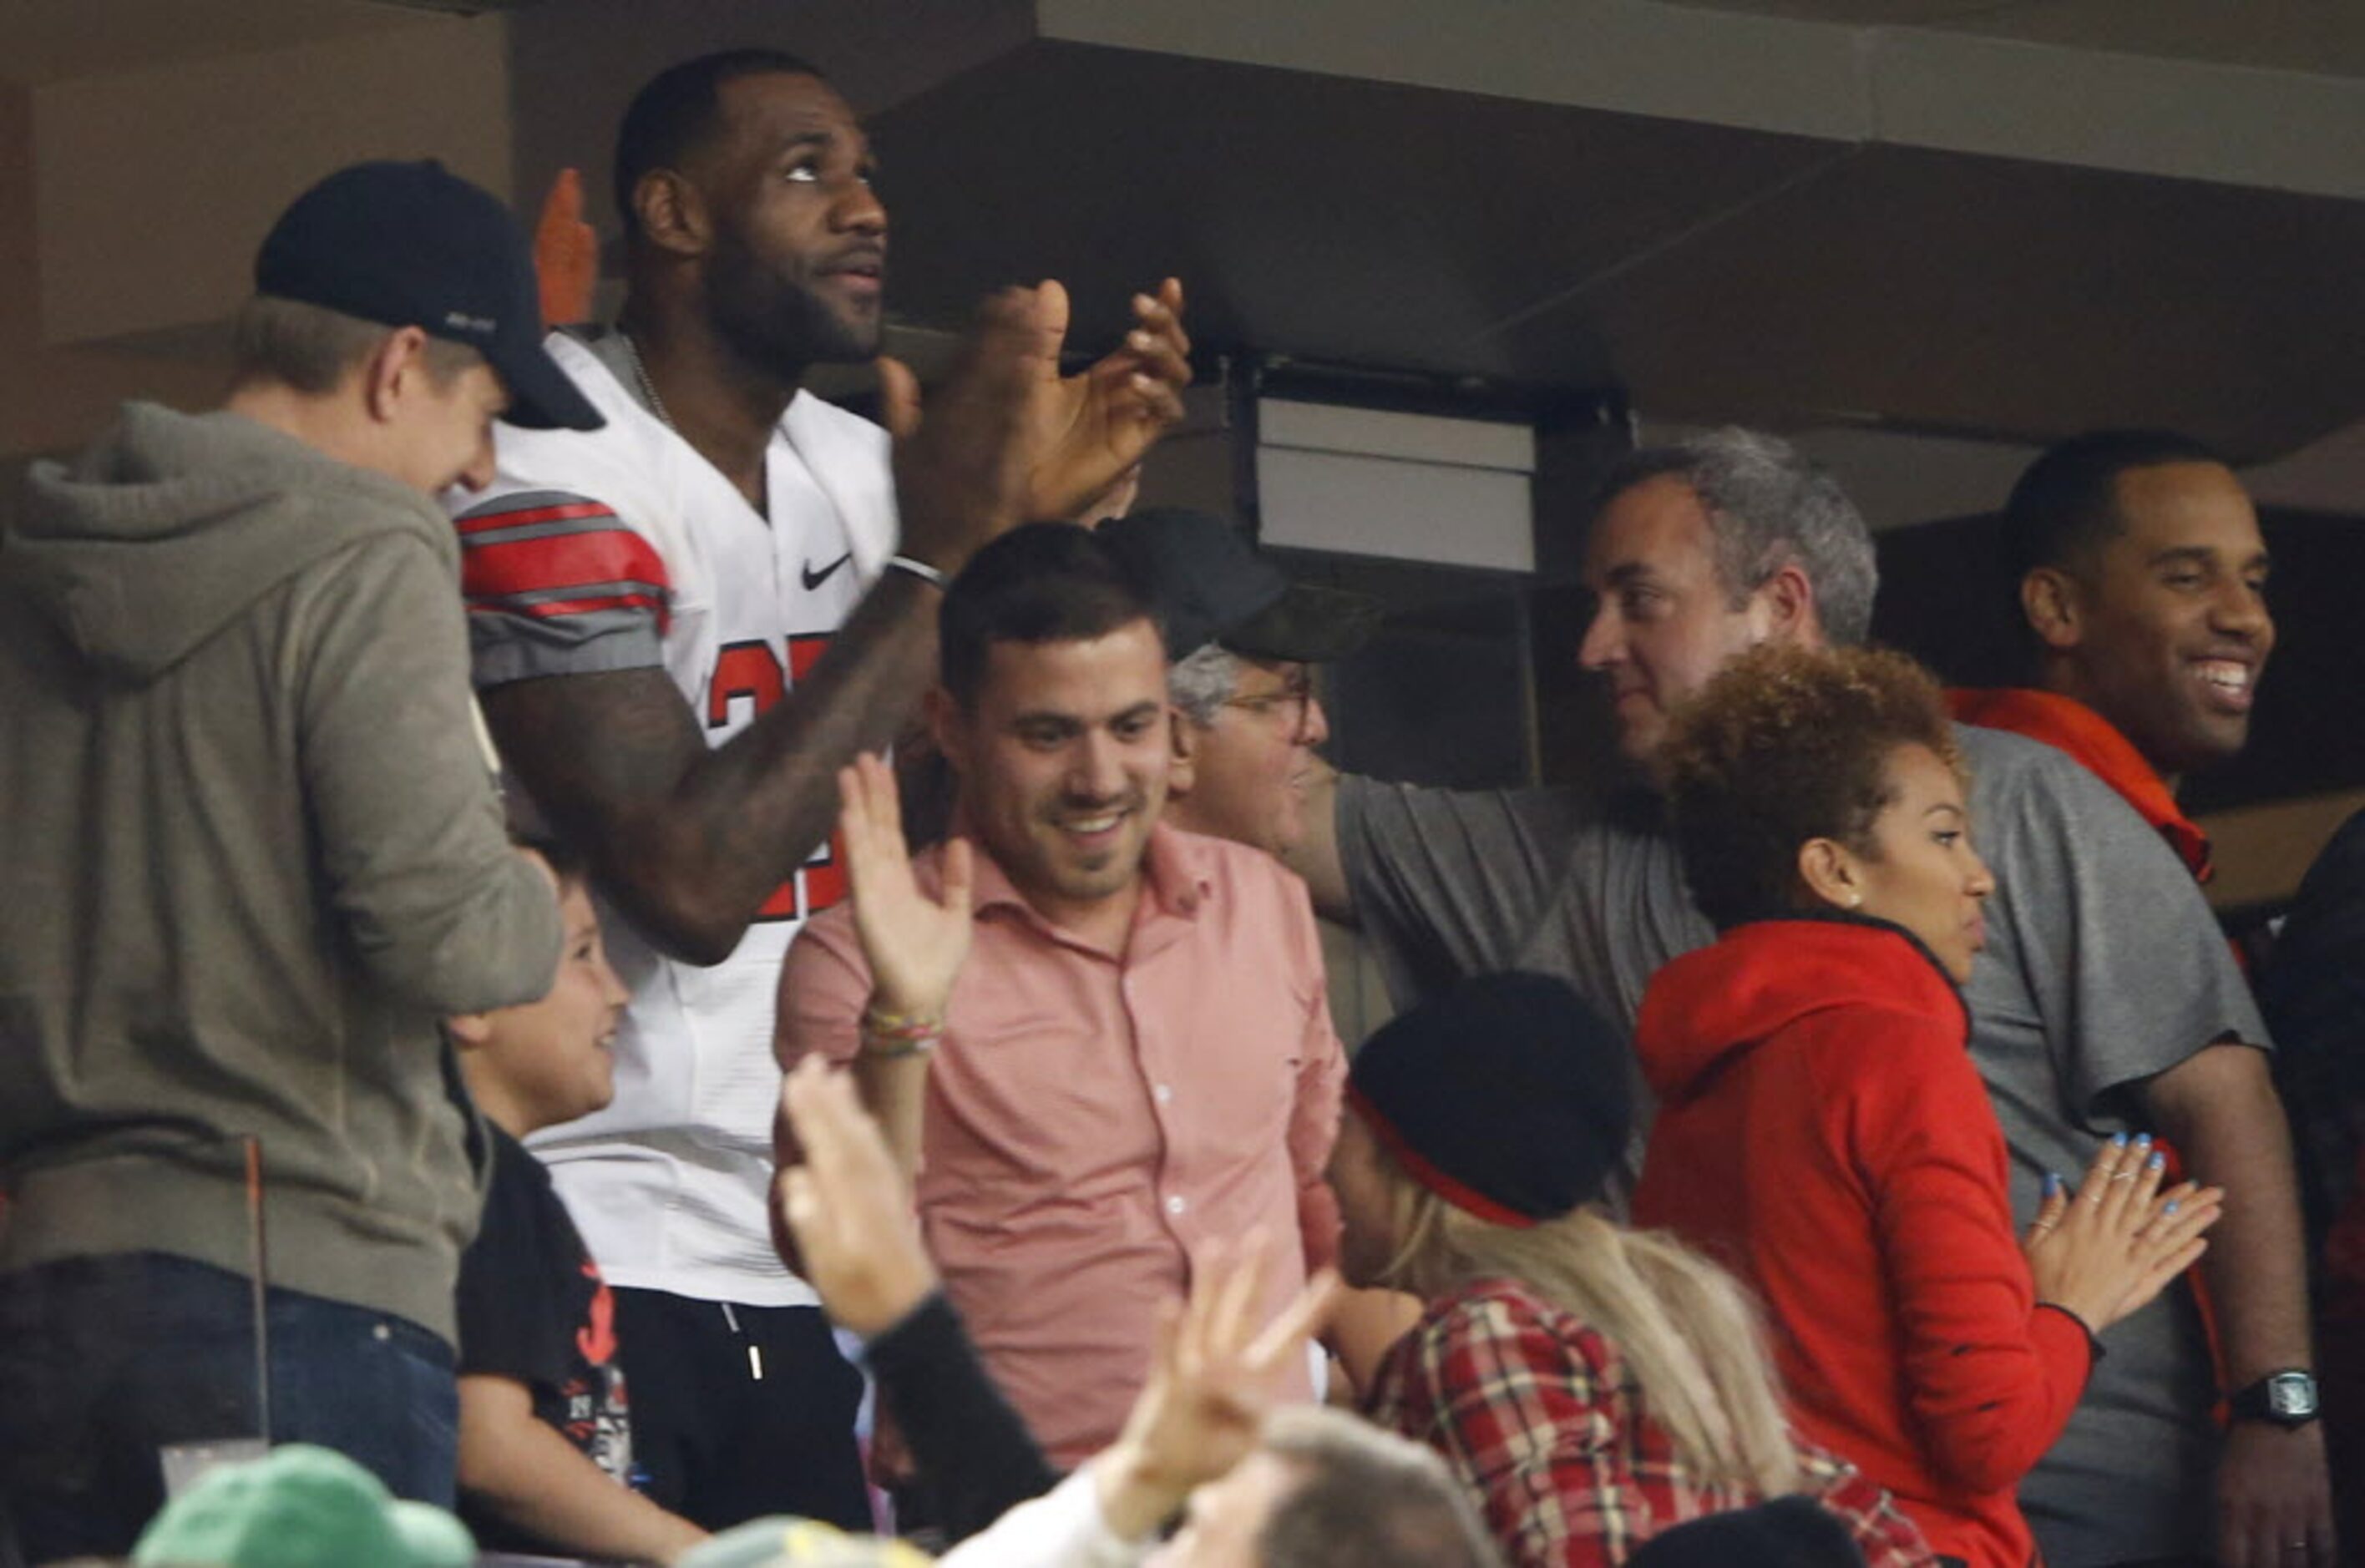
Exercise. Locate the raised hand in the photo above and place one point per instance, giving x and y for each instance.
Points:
(1210, 1386)
(1097, 425)
(962, 473)
(2108, 1248)
(1007, 440)
(847, 1206)
(565, 253)
(915, 945)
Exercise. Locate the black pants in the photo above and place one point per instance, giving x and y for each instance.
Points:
(741, 1413)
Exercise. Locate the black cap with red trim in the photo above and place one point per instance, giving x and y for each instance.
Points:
(1507, 1096)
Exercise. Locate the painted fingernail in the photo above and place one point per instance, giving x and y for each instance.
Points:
(2143, 1140)
(2052, 1183)
(2118, 1140)
(2157, 1162)
(2170, 1208)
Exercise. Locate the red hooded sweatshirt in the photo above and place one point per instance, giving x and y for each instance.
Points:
(1823, 1133)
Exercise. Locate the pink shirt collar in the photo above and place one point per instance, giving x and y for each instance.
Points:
(1175, 873)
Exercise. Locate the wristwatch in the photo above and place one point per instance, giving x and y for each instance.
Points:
(2287, 1398)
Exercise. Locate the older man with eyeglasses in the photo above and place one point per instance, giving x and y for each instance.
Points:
(1241, 642)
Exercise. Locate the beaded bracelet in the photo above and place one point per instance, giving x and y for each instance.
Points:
(892, 1035)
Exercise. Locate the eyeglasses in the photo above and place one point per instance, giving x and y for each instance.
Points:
(1291, 707)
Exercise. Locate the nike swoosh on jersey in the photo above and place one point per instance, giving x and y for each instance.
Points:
(814, 580)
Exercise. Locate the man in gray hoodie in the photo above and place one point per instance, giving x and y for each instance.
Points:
(253, 852)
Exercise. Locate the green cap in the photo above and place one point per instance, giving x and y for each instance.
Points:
(301, 1507)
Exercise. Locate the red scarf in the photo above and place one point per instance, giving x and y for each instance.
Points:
(2067, 724)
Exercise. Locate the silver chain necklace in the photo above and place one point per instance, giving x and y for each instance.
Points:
(656, 404)
(648, 389)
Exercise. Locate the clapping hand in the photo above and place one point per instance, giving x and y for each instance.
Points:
(963, 474)
(1095, 427)
(2108, 1248)
(1009, 440)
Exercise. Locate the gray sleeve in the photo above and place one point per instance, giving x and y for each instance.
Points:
(558, 584)
(2120, 958)
(436, 905)
(1448, 883)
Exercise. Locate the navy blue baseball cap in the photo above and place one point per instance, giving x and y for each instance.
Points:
(415, 245)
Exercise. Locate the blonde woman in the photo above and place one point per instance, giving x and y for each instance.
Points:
(1593, 1385)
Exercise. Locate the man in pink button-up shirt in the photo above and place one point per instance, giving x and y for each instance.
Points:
(1137, 1056)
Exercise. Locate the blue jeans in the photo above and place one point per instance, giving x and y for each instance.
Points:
(103, 1361)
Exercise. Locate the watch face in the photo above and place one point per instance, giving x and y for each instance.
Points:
(2291, 1396)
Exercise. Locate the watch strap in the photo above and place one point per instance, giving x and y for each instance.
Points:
(2257, 1402)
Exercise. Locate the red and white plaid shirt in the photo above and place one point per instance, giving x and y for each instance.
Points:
(1537, 1412)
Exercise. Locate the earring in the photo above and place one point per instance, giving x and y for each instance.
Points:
(1854, 898)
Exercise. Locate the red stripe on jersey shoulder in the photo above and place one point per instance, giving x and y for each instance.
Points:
(484, 521)
(536, 576)
(631, 599)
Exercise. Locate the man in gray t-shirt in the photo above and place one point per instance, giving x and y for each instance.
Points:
(2105, 977)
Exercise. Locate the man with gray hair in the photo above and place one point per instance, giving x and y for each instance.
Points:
(2105, 1001)
(1781, 554)
(1692, 558)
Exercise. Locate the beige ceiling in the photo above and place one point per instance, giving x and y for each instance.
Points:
(1986, 219)
(48, 41)
(2323, 37)
(44, 41)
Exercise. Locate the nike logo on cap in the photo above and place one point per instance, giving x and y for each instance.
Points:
(814, 580)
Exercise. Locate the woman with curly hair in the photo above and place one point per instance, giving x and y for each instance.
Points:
(1593, 1387)
(1821, 1128)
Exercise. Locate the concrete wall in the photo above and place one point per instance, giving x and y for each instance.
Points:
(132, 202)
